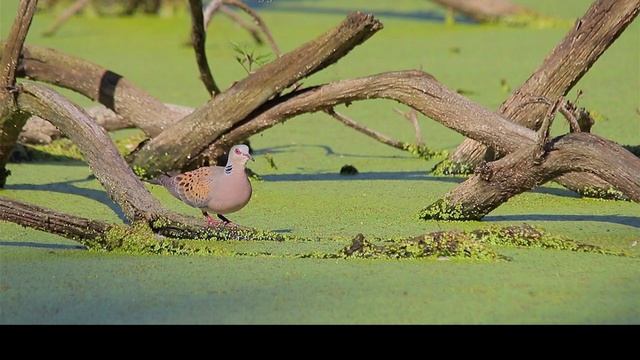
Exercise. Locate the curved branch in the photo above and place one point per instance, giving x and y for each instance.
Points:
(198, 39)
(258, 20)
(496, 182)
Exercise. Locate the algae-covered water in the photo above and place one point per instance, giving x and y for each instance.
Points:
(48, 279)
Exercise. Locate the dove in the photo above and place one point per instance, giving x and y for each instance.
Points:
(222, 190)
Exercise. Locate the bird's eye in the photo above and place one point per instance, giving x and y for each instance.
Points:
(238, 151)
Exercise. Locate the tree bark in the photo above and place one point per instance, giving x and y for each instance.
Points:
(603, 22)
(11, 118)
(72, 227)
(198, 39)
(496, 182)
(485, 10)
(365, 130)
(181, 143)
(121, 184)
(98, 84)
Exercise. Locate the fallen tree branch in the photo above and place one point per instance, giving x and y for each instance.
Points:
(77, 228)
(601, 25)
(11, 119)
(496, 182)
(181, 143)
(39, 131)
(365, 130)
(198, 39)
(99, 84)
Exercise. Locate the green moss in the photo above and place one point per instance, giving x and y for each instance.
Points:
(527, 236)
(444, 210)
(424, 152)
(448, 167)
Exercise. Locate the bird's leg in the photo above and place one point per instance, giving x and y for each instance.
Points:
(211, 222)
(226, 221)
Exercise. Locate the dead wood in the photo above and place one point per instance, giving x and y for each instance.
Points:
(496, 182)
(198, 39)
(72, 227)
(11, 118)
(603, 22)
(99, 84)
(39, 131)
(365, 130)
(181, 143)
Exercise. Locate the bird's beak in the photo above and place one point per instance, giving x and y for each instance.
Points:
(250, 157)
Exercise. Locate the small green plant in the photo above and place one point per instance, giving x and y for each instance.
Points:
(270, 161)
(247, 58)
(596, 193)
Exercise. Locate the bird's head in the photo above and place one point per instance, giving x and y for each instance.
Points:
(239, 154)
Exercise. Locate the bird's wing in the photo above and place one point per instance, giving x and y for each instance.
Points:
(193, 187)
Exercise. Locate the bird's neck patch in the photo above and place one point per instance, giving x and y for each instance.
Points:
(227, 169)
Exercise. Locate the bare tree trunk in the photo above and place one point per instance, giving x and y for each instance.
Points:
(181, 143)
(11, 118)
(561, 70)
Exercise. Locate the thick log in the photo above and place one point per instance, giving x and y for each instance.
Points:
(99, 84)
(496, 182)
(11, 119)
(603, 22)
(182, 142)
